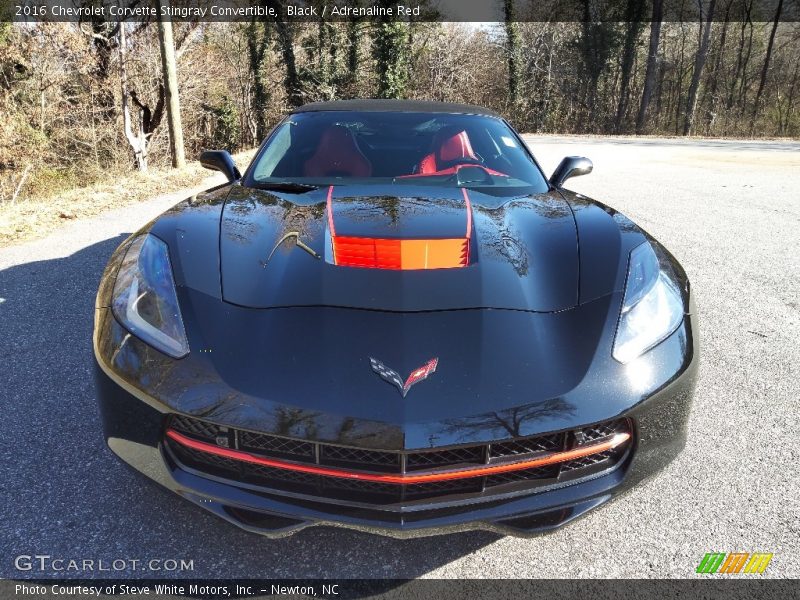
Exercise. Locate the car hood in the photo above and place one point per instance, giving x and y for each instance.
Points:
(307, 371)
(276, 249)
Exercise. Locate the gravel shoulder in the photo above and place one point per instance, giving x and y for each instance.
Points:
(729, 211)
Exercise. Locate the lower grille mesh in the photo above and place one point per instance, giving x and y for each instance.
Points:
(544, 443)
(381, 461)
(277, 446)
(318, 485)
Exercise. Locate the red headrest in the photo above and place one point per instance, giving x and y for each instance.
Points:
(337, 154)
(456, 147)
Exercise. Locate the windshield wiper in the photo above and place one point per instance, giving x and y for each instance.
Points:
(285, 186)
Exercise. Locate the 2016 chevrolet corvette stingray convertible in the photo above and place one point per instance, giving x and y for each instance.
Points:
(393, 321)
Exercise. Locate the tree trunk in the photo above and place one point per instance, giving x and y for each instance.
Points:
(785, 130)
(718, 66)
(324, 70)
(390, 48)
(677, 85)
(353, 35)
(739, 56)
(596, 48)
(334, 57)
(103, 35)
(633, 13)
(699, 63)
(652, 64)
(171, 89)
(291, 79)
(512, 51)
(661, 76)
(138, 141)
(765, 68)
(743, 83)
(257, 42)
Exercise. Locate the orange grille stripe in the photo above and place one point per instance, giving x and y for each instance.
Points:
(550, 458)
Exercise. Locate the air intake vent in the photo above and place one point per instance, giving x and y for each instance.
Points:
(299, 465)
(373, 253)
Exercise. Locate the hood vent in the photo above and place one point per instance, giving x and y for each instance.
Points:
(400, 254)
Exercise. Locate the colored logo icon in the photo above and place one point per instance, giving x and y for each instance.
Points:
(734, 562)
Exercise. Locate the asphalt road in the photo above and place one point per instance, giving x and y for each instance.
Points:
(729, 211)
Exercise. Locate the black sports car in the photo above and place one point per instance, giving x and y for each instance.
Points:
(394, 322)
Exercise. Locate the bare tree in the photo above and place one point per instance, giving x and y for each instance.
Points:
(652, 58)
(765, 68)
(169, 69)
(710, 93)
(103, 35)
(353, 39)
(597, 43)
(147, 121)
(512, 51)
(699, 63)
(787, 113)
(285, 33)
(634, 11)
(258, 39)
(745, 60)
(391, 50)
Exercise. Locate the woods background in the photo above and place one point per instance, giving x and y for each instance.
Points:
(67, 90)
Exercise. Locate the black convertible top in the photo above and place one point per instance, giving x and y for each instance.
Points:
(372, 105)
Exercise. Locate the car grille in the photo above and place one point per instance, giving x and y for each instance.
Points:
(391, 462)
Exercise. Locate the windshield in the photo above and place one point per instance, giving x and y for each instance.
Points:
(340, 148)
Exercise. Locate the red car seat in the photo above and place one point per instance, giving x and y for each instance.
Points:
(449, 148)
(337, 154)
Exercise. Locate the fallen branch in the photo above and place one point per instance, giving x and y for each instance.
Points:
(20, 184)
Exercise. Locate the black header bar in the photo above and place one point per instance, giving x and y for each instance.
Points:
(389, 10)
(709, 587)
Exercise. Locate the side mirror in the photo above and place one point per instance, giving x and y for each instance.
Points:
(570, 166)
(220, 160)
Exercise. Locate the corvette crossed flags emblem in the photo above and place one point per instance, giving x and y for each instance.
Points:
(395, 379)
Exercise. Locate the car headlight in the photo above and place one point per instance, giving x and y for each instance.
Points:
(652, 308)
(144, 298)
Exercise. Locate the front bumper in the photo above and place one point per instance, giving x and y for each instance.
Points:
(134, 429)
